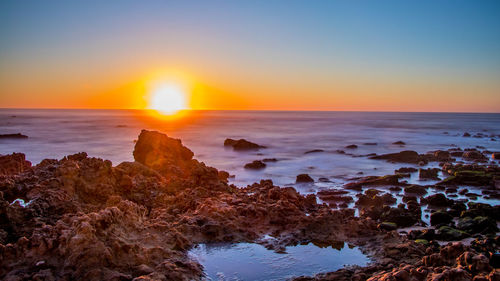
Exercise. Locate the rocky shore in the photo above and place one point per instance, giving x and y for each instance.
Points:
(81, 218)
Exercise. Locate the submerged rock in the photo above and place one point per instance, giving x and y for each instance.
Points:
(13, 136)
(255, 165)
(242, 144)
(407, 156)
(304, 178)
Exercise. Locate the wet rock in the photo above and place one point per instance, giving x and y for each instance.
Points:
(399, 143)
(373, 181)
(389, 226)
(477, 225)
(441, 155)
(13, 136)
(370, 143)
(352, 146)
(314, 151)
(451, 234)
(324, 180)
(466, 134)
(438, 200)
(242, 144)
(415, 189)
(474, 155)
(407, 156)
(440, 217)
(13, 164)
(405, 170)
(255, 165)
(303, 178)
(402, 217)
(468, 177)
(269, 160)
(431, 173)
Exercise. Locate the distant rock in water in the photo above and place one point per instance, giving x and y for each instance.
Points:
(466, 135)
(304, 178)
(269, 160)
(407, 156)
(242, 144)
(399, 143)
(314, 151)
(370, 143)
(13, 136)
(255, 165)
(352, 146)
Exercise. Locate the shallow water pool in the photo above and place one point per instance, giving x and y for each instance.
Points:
(248, 261)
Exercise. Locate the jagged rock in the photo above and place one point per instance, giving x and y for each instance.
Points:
(13, 164)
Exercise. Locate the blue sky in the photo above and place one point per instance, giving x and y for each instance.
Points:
(271, 43)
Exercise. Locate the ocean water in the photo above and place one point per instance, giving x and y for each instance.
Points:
(109, 134)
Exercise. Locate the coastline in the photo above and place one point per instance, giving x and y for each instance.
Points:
(88, 220)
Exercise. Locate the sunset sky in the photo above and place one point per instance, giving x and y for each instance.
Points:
(431, 55)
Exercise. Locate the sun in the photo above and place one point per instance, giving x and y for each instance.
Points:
(168, 98)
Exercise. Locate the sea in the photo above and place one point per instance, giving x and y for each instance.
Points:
(288, 136)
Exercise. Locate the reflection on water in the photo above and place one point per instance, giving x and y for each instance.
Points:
(247, 261)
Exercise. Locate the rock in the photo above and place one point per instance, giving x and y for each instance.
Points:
(451, 234)
(495, 260)
(431, 173)
(466, 135)
(467, 177)
(495, 155)
(242, 144)
(405, 170)
(415, 189)
(304, 178)
(13, 136)
(370, 143)
(13, 164)
(399, 143)
(269, 160)
(402, 217)
(477, 225)
(440, 217)
(314, 151)
(474, 262)
(441, 155)
(255, 165)
(389, 226)
(352, 146)
(407, 156)
(373, 181)
(438, 200)
(473, 155)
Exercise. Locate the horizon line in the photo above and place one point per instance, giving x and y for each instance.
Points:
(256, 110)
